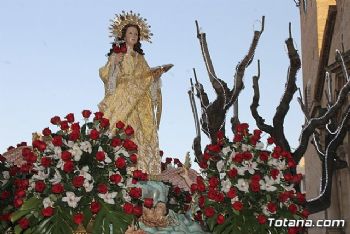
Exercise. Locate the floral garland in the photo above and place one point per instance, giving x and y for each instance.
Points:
(80, 173)
(244, 185)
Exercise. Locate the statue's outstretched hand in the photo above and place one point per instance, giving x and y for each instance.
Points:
(167, 67)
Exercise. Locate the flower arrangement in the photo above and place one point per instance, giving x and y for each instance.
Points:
(81, 173)
(244, 185)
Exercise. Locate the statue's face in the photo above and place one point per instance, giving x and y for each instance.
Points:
(131, 36)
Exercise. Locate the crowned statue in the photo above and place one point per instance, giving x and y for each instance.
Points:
(132, 88)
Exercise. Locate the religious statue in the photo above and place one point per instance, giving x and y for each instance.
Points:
(132, 88)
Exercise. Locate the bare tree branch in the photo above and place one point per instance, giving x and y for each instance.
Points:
(240, 69)
(260, 122)
(291, 88)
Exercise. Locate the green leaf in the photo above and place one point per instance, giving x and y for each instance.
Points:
(18, 229)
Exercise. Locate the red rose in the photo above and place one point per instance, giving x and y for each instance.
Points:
(257, 132)
(78, 181)
(238, 138)
(274, 173)
(209, 211)
(293, 208)
(133, 158)
(100, 156)
(271, 207)
(148, 202)
(120, 125)
(305, 213)
(116, 142)
(116, 178)
(102, 188)
(4, 195)
(86, 114)
(129, 130)
(20, 193)
(194, 188)
(288, 176)
(135, 192)
(64, 125)
(75, 127)
(137, 174)
(213, 182)
(264, 156)
(237, 205)
(98, 115)
(57, 188)
(270, 140)
(66, 155)
(254, 186)
(68, 166)
(23, 223)
(120, 163)
(95, 207)
(40, 145)
(232, 193)
(291, 163)
(220, 219)
(78, 218)
(17, 202)
(238, 158)
(201, 201)
(40, 186)
(261, 219)
(241, 127)
(128, 208)
(55, 120)
(214, 148)
(137, 210)
(45, 161)
(232, 173)
(70, 117)
(129, 145)
(74, 135)
(47, 212)
(94, 134)
(57, 141)
(203, 164)
(46, 132)
(177, 190)
(301, 197)
(104, 123)
(247, 155)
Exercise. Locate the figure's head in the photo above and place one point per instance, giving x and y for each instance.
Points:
(131, 34)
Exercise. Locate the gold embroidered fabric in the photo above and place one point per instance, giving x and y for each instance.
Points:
(133, 104)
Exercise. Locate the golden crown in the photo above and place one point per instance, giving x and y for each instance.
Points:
(125, 18)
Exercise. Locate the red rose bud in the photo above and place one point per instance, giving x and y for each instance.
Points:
(104, 123)
(78, 218)
(94, 134)
(46, 132)
(120, 125)
(75, 127)
(137, 174)
(291, 163)
(293, 208)
(161, 153)
(274, 173)
(231, 193)
(47, 212)
(78, 181)
(213, 182)
(209, 211)
(305, 213)
(237, 205)
(177, 190)
(57, 188)
(133, 158)
(100, 156)
(116, 178)
(116, 142)
(129, 130)
(129, 145)
(4, 195)
(20, 193)
(40, 186)
(57, 141)
(135, 192)
(102, 188)
(55, 120)
(271, 207)
(120, 163)
(68, 166)
(23, 223)
(264, 156)
(220, 135)
(95, 207)
(148, 202)
(137, 210)
(203, 164)
(45, 161)
(270, 141)
(288, 176)
(74, 136)
(70, 117)
(38, 144)
(238, 158)
(220, 219)
(261, 219)
(98, 115)
(66, 156)
(214, 148)
(17, 202)
(128, 208)
(86, 114)
(283, 197)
